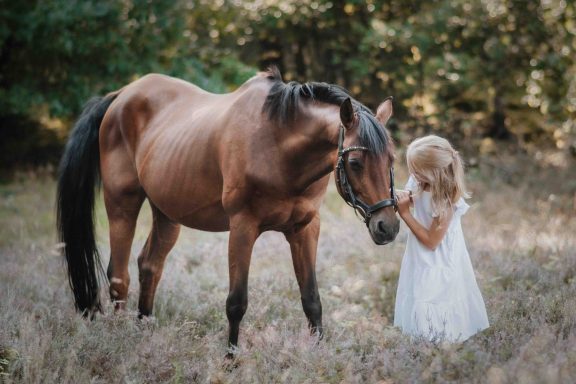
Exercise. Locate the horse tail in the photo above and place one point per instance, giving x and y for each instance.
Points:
(78, 177)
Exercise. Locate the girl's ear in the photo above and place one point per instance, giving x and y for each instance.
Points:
(384, 111)
(347, 113)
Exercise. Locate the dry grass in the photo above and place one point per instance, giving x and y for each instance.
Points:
(520, 236)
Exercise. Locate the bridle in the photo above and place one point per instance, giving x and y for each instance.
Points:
(345, 188)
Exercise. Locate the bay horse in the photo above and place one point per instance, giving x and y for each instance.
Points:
(250, 161)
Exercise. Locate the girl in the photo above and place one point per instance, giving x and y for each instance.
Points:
(437, 296)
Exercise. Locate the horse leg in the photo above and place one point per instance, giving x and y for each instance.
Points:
(243, 235)
(160, 241)
(303, 244)
(122, 210)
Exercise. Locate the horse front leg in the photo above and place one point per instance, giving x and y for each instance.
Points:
(243, 234)
(303, 244)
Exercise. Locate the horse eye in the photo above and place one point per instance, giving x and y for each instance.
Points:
(356, 165)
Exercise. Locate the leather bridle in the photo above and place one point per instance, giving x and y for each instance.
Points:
(345, 188)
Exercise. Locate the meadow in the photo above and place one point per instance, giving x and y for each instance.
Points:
(520, 231)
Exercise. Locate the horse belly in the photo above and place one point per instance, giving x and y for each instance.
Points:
(188, 205)
(211, 219)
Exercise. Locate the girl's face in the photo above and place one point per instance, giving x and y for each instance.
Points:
(423, 184)
(422, 180)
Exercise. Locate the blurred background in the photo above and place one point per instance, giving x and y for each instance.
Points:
(492, 75)
(496, 77)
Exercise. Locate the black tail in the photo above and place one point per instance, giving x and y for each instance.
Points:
(78, 178)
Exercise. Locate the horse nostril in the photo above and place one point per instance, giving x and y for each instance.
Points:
(387, 229)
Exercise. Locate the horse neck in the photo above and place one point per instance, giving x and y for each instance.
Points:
(310, 148)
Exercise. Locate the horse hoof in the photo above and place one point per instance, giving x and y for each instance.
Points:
(231, 361)
(318, 333)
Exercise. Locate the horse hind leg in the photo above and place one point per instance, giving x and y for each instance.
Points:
(160, 241)
(122, 209)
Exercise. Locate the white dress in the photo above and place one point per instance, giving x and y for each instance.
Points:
(437, 295)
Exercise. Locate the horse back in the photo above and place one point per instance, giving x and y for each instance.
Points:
(188, 149)
(143, 103)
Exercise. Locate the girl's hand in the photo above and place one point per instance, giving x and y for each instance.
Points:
(404, 201)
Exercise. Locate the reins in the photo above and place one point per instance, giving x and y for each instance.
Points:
(345, 188)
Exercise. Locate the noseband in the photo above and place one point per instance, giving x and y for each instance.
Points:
(345, 188)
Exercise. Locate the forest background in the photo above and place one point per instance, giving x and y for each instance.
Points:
(478, 72)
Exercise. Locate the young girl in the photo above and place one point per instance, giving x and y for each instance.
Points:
(437, 296)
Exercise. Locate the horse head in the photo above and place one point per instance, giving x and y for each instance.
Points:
(364, 170)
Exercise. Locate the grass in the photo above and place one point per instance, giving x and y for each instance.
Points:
(520, 233)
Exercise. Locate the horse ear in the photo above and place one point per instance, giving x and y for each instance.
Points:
(347, 113)
(384, 111)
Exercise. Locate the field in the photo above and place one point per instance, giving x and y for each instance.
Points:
(521, 233)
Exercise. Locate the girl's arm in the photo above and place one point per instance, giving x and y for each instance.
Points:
(431, 237)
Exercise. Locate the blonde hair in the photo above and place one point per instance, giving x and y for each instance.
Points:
(432, 160)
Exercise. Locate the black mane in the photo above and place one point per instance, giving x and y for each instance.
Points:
(283, 102)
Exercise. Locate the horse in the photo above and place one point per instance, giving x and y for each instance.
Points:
(254, 160)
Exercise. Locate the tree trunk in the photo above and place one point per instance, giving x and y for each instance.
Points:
(498, 129)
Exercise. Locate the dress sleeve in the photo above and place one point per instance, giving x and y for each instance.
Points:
(461, 207)
(411, 184)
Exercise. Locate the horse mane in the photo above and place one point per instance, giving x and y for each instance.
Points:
(284, 99)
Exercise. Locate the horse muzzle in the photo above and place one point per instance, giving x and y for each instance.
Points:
(384, 230)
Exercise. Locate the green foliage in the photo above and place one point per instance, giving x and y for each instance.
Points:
(505, 66)
(497, 68)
